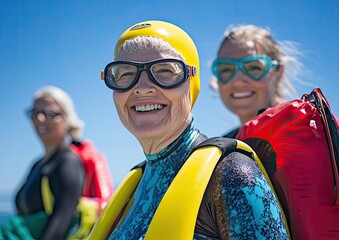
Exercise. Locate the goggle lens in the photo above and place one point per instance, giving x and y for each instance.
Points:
(225, 71)
(255, 68)
(168, 73)
(122, 75)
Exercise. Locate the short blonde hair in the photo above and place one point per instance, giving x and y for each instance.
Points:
(66, 104)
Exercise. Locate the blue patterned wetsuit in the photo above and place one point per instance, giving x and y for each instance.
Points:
(237, 203)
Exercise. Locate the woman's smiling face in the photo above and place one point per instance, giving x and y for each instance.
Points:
(242, 95)
(149, 112)
(50, 130)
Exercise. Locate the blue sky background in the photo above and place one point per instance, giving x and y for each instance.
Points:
(66, 43)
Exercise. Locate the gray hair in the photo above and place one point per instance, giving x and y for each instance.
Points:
(66, 104)
(141, 43)
(285, 52)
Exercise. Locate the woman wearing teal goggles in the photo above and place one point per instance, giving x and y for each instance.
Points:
(249, 72)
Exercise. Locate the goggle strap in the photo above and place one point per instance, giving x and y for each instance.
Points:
(192, 70)
(102, 75)
(275, 63)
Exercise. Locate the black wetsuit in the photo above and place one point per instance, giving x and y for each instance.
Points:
(232, 133)
(66, 176)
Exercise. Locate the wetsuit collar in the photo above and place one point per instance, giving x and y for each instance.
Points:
(184, 138)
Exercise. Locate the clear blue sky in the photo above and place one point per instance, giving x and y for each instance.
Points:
(67, 42)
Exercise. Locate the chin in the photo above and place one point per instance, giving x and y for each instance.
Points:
(145, 132)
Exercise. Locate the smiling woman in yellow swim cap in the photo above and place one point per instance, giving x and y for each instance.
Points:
(175, 194)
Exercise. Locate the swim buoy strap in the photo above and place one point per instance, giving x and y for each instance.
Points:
(226, 145)
(47, 195)
(331, 133)
(141, 165)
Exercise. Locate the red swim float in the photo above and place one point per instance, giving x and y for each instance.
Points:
(98, 183)
(299, 150)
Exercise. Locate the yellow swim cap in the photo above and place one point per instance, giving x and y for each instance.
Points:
(176, 37)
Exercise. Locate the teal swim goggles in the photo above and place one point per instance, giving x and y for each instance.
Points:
(254, 67)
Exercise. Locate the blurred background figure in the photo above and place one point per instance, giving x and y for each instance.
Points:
(49, 203)
(253, 71)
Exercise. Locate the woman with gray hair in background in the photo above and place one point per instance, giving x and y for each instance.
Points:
(47, 200)
(54, 119)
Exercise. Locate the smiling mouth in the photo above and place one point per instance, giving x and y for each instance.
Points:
(42, 129)
(242, 94)
(148, 107)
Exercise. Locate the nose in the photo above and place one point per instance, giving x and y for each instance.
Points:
(40, 117)
(144, 84)
(239, 76)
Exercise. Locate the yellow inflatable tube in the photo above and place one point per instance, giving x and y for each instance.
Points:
(176, 215)
(118, 201)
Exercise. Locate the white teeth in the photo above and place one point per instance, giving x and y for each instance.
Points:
(148, 107)
(241, 94)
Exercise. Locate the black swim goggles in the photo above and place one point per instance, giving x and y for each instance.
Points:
(254, 67)
(165, 73)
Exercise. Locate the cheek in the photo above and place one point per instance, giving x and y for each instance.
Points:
(119, 99)
(186, 99)
(119, 102)
(270, 85)
(59, 127)
(185, 105)
(224, 91)
(267, 87)
(63, 124)
(181, 99)
(180, 111)
(116, 99)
